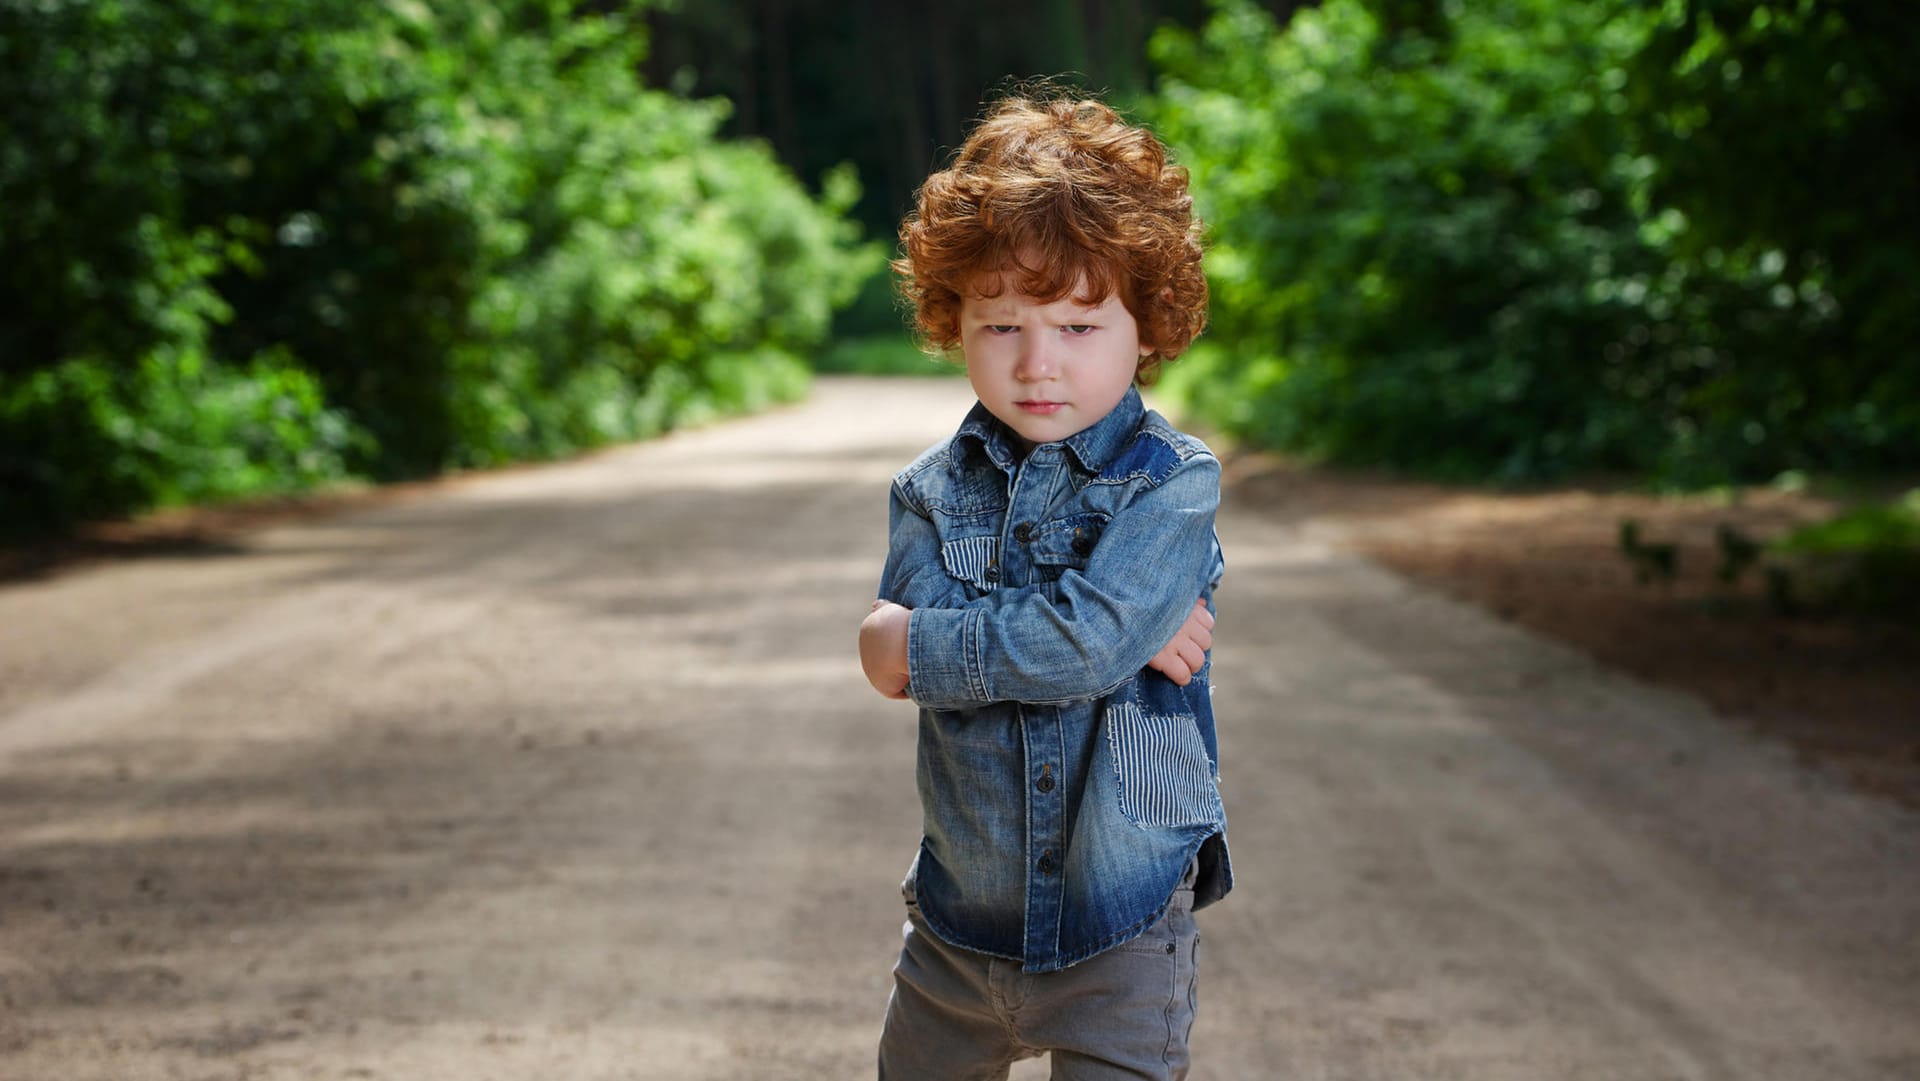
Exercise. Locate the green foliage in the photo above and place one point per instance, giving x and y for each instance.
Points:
(1864, 561)
(876, 310)
(1421, 246)
(252, 246)
(883, 354)
(1890, 526)
(1785, 135)
(638, 257)
(1444, 242)
(176, 429)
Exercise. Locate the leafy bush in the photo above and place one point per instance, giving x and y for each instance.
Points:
(1865, 560)
(448, 235)
(1405, 232)
(179, 428)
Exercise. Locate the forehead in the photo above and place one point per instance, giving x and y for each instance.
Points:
(1000, 292)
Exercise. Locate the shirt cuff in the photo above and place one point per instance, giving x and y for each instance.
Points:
(943, 663)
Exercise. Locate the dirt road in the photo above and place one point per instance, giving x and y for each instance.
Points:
(570, 773)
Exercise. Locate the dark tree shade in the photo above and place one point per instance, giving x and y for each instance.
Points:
(888, 86)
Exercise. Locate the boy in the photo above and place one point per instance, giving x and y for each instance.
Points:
(1038, 602)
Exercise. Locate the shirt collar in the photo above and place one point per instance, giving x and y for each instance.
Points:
(1094, 445)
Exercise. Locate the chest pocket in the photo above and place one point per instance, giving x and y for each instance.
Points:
(1065, 544)
(973, 560)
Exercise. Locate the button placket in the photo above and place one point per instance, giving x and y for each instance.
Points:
(1045, 834)
(1028, 505)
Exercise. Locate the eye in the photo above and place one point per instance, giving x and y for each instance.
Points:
(1077, 329)
(1001, 328)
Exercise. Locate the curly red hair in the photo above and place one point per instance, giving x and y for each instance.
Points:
(1050, 193)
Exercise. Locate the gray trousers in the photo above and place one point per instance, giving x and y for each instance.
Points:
(956, 1015)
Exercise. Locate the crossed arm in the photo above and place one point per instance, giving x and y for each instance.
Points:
(883, 647)
(926, 639)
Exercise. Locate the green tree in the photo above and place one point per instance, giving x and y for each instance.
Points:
(127, 124)
(1784, 132)
(1423, 248)
(1446, 240)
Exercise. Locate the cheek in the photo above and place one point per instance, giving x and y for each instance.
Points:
(983, 367)
(1119, 370)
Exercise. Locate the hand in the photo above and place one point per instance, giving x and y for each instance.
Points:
(1186, 653)
(883, 648)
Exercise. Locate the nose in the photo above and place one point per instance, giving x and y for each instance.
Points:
(1037, 362)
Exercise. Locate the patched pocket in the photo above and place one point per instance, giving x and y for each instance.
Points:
(973, 560)
(1162, 772)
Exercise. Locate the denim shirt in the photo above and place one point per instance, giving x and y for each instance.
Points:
(1065, 787)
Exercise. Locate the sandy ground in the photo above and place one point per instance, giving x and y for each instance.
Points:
(570, 773)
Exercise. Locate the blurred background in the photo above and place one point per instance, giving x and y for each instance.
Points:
(256, 248)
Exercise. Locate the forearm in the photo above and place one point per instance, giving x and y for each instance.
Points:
(1033, 645)
(1073, 637)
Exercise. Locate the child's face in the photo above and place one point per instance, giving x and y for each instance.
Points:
(1049, 371)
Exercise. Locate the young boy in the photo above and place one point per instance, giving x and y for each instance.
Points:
(1039, 603)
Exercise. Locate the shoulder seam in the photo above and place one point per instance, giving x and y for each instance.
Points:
(903, 481)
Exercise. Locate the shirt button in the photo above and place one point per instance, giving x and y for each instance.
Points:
(1023, 532)
(1045, 783)
(993, 572)
(1046, 862)
(1082, 544)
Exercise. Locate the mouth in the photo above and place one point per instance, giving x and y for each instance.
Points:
(1040, 408)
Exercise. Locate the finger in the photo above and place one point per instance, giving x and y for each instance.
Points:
(1168, 663)
(1189, 659)
(1202, 636)
(877, 605)
(1192, 656)
(1202, 616)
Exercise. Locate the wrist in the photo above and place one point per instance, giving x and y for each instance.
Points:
(883, 647)
(899, 630)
